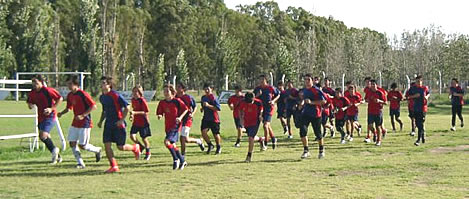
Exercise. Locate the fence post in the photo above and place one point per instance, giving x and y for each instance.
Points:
(271, 78)
(439, 73)
(17, 87)
(226, 82)
(343, 83)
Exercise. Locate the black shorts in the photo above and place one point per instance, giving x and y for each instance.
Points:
(213, 126)
(281, 113)
(114, 134)
(411, 114)
(237, 122)
(375, 119)
(395, 112)
(289, 113)
(252, 130)
(339, 123)
(315, 123)
(420, 117)
(144, 131)
(324, 118)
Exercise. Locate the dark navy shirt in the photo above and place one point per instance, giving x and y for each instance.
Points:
(113, 106)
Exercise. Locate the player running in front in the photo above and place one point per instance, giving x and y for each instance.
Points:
(173, 110)
(326, 89)
(282, 108)
(140, 120)
(351, 114)
(250, 111)
(341, 104)
(269, 96)
(395, 97)
(46, 100)
(189, 101)
(79, 133)
(410, 107)
(310, 106)
(115, 110)
(420, 94)
(210, 120)
(376, 100)
(456, 94)
(233, 103)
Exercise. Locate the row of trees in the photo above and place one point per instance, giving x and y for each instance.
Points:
(202, 41)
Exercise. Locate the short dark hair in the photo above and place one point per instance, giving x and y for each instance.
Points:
(308, 75)
(38, 78)
(73, 79)
(238, 87)
(393, 85)
(338, 89)
(249, 97)
(280, 83)
(367, 78)
(327, 78)
(109, 80)
(418, 77)
(289, 82)
(373, 81)
(456, 80)
(171, 88)
(208, 85)
(412, 84)
(182, 85)
(263, 76)
(348, 82)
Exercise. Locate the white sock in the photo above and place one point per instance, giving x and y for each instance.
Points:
(199, 141)
(77, 154)
(92, 148)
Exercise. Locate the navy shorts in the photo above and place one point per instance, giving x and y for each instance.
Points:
(289, 113)
(252, 130)
(375, 119)
(46, 125)
(395, 112)
(267, 117)
(281, 113)
(213, 126)
(353, 118)
(172, 136)
(114, 134)
(237, 122)
(144, 131)
(315, 123)
(411, 114)
(324, 119)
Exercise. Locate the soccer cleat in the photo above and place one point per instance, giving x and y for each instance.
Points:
(248, 159)
(210, 147)
(55, 155)
(262, 146)
(137, 151)
(113, 170)
(342, 142)
(59, 159)
(98, 155)
(80, 166)
(417, 143)
(367, 140)
(453, 128)
(412, 133)
(218, 151)
(274, 143)
(322, 155)
(201, 146)
(305, 155)
(183, 165)
(462, 124)
(378, 143)
(147, 156)
(290, 137)
(350, 139)
(237, 145)
(359, 131)
(176, 164)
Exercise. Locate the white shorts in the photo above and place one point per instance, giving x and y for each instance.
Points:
(80, 135)
(185, 131)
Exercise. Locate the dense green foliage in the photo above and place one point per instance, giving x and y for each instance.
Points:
(210, 41)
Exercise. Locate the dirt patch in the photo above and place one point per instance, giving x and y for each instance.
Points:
(450, 149)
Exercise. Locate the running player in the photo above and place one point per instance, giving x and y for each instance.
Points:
(46, 100)
(140, 120)
(376, 100)
(269, 96)
(311, 114)
(456, 94)
(341, 104)
(291, 103)
(331, 94)
(410, 106)
(82, 104)
(326, 112)
(351, 115)
(420, 94)
(189, 101)
(115, 110)
(250, 110)
(233, 103)
(210, 120)
(281, 107)
(395, 97)
(173, 110)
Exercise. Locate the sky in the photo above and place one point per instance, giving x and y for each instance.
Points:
(387, 16)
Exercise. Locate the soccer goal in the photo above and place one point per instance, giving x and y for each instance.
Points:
(33, 136)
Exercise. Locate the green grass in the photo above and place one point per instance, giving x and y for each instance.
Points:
(397, 169)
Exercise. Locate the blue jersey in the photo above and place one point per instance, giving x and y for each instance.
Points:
(420, 103)
(455, 100)
(113, 106)
(281, 102)
(313, 94)
(209, 114)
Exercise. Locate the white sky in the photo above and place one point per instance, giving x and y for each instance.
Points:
(390, 16)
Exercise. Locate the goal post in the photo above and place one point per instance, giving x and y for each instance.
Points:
(33, 137)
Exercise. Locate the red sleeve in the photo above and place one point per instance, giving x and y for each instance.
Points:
(88, 99)
(359, 96)
(29, 100)
(145, 105)
(383, 96)
(159, 109)
(182, 107)
(69, 101)
(230, 100)
(400, 95)
(53, 93)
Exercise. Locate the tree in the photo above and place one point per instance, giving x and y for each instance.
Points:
(181, 67)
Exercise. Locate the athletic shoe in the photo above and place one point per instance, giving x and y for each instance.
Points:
(350, 139)
(378, 143)
(332, 132)
(59, 159)
(147, 156)
(237, 145)
(218, 151)
(201, 146)
(322, 155)
(55, 155)
(176, 164)
(453, 128)
(290, 137)
(342, 142)
(137, 151)
(384, 135)
(367, 140)
(274, 143)
(417, 143)
(210, 148)
(412, 133)
(263, 147)
(183, 165)
(98, 155)
(359, 131)
(374, 138)
(80, 166)
(113, 170)
(462, 124)
(248, 159)
(305, 155)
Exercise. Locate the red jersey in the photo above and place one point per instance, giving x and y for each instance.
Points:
(140, 104)
(354, 99)
(395, 97)
(328, 106)
(340, 103)
(171, 110)
(189, 101)
(410, 102)
(251, 112)
(235, 100)
(44, 98)
(80, 102)
(374, 107)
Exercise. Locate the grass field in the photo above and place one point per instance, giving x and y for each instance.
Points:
(397, 169)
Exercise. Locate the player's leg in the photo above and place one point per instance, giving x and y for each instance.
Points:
(459, 113)
(378, 121)
(289, 116)
(370, 129)
(110, 157)
(215, 128)
(83, 142)
(392, 114)
(120, 137)
(145, 133)
(316, 124)
(205, 136)
(239, 131)
(339, 126)
(44, 128)
(185, 134)
(251, 131)
(398, 119)
(419, 119)
(133, 136)
(453, 117)
(304, 137)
